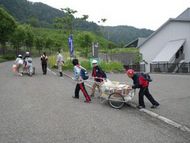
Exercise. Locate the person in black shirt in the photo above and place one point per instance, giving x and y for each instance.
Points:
(44, 60)
(98, 74)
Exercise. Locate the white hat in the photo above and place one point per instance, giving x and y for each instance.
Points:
(94, 61)
(20, 56)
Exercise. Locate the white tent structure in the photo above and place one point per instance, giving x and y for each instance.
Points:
(170, 43)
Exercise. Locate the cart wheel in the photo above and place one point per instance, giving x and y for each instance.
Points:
(116, 100)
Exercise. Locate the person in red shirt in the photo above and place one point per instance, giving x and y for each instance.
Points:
(140, 82)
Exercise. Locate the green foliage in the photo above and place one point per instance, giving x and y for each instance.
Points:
(124, 34)
(66, 22)
(39, 43)
(22, 10)
(18, 37)
(52, 39)
(33, 21)
(7, 57)
(86, 43)
(111, 66)
(29, 36)
(7, 27)
(22, 36)
(106, 66)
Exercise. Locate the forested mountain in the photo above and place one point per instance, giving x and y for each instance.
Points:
(24, 11)
(42, 15)
(124, 34)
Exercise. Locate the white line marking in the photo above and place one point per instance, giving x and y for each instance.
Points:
(166, 120)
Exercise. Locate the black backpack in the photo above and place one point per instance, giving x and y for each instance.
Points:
(43, 59)
(103, 74)
(84, 73)
(146, 76)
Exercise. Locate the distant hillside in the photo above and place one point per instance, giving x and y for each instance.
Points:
(23, 10)
(43, 15)
(124, 34)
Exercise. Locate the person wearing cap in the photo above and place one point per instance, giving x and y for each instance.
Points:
(19, 64)
(27, 55)
(140, 82)
(98, 74)
(28, 66)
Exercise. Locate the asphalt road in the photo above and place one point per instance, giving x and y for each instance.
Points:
(40, 109)
(171, 91)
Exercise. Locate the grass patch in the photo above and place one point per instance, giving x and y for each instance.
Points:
(106, 66)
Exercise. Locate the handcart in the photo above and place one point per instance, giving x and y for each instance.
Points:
(116, 93)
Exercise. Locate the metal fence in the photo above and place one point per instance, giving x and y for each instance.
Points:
(125, 58)
(170, 67)
(136, 67)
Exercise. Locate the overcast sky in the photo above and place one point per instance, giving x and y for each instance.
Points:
(150, 14)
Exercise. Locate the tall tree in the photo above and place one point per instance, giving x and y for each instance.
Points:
(18, 38)
(7, 27)
(49, 43)
(29, 37)
(66, 22)
(86, 43)
(39, 43)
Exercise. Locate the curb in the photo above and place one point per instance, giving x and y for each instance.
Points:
(162, 118)
(166, 120)
(150, 113)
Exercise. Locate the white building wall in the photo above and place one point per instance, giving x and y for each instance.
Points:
(171, 31)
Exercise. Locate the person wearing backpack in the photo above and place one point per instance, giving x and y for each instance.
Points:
(139, 81)
(80, 81)
(44, 60)
(98, 74)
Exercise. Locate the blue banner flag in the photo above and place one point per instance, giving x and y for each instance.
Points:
(71, 47)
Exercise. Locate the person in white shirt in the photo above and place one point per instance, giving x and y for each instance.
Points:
(80, 83)
(60, 62)
(19, 65)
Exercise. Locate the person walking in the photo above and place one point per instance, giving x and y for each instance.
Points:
(28, 66)
(139, 81)
(19, 65)
(80, 83)
(98, 74)
(60, 62)
(44, 60)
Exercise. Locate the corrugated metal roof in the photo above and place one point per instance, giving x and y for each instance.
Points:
(169, 51)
